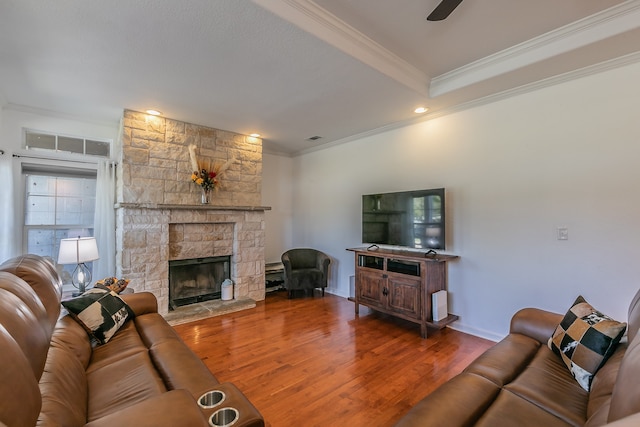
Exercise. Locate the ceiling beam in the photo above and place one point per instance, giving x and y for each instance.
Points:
(317, 21)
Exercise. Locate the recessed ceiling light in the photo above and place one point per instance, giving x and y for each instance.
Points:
(421, 110)
(154, 112)
(255, 135)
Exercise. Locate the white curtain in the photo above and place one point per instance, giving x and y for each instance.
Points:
(8, 246)
(105, 222)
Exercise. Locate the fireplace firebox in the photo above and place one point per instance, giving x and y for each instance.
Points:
(196, 280)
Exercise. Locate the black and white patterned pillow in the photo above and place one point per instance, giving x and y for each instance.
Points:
(100, 312)
(585, 339)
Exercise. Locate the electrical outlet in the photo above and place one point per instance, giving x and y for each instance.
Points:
(563, 233)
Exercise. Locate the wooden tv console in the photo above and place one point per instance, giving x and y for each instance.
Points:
(400, 283)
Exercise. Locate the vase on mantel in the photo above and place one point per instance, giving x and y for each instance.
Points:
(205, 196)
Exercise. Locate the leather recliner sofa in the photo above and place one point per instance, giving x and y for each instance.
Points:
(52, 376)
(521, 382)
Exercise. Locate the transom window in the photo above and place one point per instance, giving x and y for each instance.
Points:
(67, 144)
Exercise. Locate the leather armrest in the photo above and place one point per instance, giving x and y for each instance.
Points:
(173, 408)
(630, 421)
(141, 302)
(535, 323)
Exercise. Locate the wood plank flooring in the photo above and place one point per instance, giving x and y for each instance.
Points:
(309, 361)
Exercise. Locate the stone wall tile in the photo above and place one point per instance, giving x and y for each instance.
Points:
(181, 187)
(151, 285)
(177, 138)
(134, 239)
(164, 150)
(158, 173)
(148, 135)
(157, 162)
(136, 156)
(134, 120)
(174, 126)
(139, 143)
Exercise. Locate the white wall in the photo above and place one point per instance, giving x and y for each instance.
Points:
(277, 193)
(514, 171)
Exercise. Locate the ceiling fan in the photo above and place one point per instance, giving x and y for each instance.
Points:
(443, 10)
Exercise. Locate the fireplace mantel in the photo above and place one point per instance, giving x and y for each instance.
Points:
(190, 207)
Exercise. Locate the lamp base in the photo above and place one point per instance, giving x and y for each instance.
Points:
(81, 290)
(80, 278)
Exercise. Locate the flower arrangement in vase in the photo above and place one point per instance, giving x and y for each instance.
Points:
(206, 173)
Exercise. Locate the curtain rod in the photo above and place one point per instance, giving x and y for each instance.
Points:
(111, 162)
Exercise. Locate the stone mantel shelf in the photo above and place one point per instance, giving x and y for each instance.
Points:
(190, 207)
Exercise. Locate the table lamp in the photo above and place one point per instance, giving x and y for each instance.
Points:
(78, 251)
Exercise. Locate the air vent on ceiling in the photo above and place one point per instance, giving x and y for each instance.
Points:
(314, 138)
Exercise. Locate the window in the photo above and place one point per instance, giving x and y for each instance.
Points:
(58, 204)
(68, 144)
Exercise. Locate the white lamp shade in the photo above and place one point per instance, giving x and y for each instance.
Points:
(78, 250)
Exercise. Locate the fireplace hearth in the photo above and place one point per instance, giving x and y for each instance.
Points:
(197, 279)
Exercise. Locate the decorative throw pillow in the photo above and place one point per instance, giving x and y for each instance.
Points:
(113, 284)
(585, 339)
(100, 312)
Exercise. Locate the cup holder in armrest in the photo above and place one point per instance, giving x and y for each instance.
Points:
(224, 417)
(224, 406)
(211, 399)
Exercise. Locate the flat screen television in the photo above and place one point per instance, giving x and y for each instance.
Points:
(413, 219)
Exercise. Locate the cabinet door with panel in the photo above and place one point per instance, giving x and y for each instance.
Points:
(370, 287)
(404, 295)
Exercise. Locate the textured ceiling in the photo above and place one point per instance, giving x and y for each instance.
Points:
(293, 69)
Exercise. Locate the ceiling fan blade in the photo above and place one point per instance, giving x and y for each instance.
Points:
(443, 10)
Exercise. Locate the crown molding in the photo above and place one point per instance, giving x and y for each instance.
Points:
(317, 21)
(59, 115)
(611, 64)
(268, 149)
(601, 67)
(608, 23)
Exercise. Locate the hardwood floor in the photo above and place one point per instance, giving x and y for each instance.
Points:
(311, 362)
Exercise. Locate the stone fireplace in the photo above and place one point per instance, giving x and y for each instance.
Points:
(159, 215)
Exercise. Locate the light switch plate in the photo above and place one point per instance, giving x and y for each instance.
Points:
(563, 233)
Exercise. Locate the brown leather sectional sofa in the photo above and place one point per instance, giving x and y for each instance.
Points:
(521, 382)
(52, 376)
